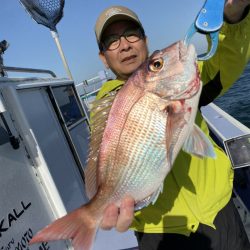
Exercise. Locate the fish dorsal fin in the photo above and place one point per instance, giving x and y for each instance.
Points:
(100, 111)
(198, 144)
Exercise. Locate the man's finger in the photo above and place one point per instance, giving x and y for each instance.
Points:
(126, 214)
(110, 217)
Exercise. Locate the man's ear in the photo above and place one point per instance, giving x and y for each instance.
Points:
(103, 59)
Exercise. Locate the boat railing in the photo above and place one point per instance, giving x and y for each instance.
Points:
(26, 70)
(89, 97)
(4, 69)
(88, 90)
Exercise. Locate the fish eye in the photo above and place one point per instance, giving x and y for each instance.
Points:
(156, 65)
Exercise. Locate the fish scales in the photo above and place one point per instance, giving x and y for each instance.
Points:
(144, 132)
(111, 137)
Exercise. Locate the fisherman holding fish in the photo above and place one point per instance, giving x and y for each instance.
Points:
(195, 210)
(156, 98)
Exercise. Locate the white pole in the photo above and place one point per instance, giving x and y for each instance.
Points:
(56, 38)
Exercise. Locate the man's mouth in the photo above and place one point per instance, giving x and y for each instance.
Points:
(128, 58)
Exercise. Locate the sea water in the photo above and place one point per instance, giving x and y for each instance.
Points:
(236, 101)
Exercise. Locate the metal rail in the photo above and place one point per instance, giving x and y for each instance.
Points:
(27, 70)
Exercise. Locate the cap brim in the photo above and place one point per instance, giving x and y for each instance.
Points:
(116, 18)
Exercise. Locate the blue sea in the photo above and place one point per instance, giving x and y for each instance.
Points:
(236, 101)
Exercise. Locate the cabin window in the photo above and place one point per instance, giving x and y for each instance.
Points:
(68, 104)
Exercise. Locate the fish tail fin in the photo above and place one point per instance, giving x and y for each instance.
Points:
(77, 225)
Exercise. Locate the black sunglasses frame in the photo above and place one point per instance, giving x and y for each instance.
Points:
(142, 36)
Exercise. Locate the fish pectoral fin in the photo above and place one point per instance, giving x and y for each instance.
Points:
(174, 125)
(150, 199)
(198, 144)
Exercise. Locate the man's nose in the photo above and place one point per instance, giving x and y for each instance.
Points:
(124, 44)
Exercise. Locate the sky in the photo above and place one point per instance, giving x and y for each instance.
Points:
(32, 46)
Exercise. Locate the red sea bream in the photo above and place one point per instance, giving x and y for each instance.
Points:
(136, 136)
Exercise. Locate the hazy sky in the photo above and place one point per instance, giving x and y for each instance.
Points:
(31, 44)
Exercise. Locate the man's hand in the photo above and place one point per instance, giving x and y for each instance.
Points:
(234, 10)
(120, 218)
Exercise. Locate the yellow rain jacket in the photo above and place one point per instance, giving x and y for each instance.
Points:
(197, 189)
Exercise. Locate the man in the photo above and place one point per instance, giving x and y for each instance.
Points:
(198, 212)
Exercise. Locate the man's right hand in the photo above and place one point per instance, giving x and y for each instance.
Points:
(119, 218)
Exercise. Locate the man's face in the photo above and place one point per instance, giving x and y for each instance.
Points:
(125, 59)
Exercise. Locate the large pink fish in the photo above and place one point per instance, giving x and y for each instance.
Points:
(147, 123)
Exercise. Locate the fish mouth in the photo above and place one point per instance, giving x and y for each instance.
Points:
(194, 85)
(189, 92)
(192, 90)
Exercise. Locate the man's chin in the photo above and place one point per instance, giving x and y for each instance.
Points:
(130, 68)
(127, 71)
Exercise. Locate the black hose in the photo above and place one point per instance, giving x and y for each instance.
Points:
(13, 140)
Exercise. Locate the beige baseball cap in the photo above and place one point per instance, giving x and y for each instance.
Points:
(112, 14)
